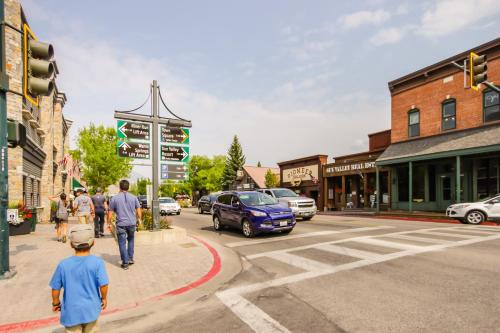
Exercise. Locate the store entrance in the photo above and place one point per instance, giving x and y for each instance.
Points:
(446, 195)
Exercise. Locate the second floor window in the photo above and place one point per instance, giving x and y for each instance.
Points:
(413, 123)
(449, 114)
(491, 105)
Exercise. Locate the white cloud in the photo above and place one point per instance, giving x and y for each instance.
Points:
(390, 35)
(357, 19)
(448, 16)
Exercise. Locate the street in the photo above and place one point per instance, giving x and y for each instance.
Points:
(345, 274)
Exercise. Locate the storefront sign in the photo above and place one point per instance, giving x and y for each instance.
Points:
(347, 168)
(296, 176)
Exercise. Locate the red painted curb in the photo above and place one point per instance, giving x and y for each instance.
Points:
(45, 322)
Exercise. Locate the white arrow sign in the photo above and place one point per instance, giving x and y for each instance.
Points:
(125, 146)
(123, 130)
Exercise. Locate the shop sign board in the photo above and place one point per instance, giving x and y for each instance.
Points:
(296, 176)
(351, 167)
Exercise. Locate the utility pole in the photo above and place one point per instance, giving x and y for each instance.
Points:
(155, 120)
(5, 271)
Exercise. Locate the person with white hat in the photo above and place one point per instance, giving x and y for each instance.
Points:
(85, 282)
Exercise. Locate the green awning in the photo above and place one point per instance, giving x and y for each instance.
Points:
(76, 184)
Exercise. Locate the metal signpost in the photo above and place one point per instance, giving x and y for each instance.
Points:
(139, 138)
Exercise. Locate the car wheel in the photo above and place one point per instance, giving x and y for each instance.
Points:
(475, 217)
(247, 229)
(178, 213)
(200, 210)
(217, 223)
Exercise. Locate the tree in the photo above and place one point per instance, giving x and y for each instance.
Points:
(139, 188)
(271, 180)
(259, 165)
(234, 162)
(171, 188)
(205, 173)
(101, 165)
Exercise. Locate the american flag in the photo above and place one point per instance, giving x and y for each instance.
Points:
(70, 165)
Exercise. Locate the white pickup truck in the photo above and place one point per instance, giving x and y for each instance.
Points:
(301, 206)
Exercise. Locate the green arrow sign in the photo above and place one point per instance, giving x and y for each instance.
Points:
(132, 130)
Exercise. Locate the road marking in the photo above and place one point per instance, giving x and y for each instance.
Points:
(309, 234)
(300, 262)
(394, 245)
(490, 232)
(249, 313)
(348, 251)
(260, 321)
(421, 239)
(448, 234)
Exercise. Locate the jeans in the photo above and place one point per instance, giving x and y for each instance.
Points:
(126, 235)
(99, 223)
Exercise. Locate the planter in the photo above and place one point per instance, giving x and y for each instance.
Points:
(23, 228)
(172, 235)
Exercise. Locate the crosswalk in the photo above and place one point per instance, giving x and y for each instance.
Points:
(395, 244)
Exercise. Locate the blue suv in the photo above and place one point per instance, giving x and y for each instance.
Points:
(252, 212)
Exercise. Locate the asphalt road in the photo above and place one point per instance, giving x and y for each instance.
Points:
(346, 274)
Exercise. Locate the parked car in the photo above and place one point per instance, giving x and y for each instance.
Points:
(476, 212)
(301, 206)
(168, 206)
(206, 203)
(252, 212)
(143, 200)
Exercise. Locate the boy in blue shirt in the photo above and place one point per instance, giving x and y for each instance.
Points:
(85, 282)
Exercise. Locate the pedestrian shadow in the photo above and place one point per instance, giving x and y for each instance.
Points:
(112, 259)
(23, 248)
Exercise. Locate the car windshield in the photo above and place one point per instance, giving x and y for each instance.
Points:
(489, 198)
(284, 192)
(167, 200)
(257, 199)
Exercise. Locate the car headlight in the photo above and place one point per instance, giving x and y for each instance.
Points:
(257, 213)
(292, 204)
(460, 206)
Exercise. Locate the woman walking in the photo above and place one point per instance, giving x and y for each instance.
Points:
(62, 216)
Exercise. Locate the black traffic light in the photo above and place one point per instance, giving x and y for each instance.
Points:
(38, 67)
(16, 133)
(478, 70)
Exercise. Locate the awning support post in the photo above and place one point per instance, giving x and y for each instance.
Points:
(377, 185)
(410, 186)
(457, 180)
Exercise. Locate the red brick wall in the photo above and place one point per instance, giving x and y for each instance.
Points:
(428, 98)
(379, 140)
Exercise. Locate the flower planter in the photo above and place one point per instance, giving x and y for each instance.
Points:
(23, 228)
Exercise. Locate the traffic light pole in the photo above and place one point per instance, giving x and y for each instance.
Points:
(155, 203)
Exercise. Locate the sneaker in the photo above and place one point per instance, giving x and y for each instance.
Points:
(101, 234)
(131, 262)
(64, 239)
(125, 267)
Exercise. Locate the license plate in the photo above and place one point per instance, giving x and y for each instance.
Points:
(283, 223)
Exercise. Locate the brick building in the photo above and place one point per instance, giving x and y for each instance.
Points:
(34, 171)
(445, 140)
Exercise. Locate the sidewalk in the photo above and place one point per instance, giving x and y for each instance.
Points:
(158, 269)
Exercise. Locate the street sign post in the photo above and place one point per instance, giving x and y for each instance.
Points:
(174, 153)
(179, 135)
(136, 150)
(133, 130)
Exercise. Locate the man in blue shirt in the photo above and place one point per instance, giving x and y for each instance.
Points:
(85, 282)
(127, 208)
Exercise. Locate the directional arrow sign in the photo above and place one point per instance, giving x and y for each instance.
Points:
(174, 153)
(133, 130)
(178, 174)
(135, 150)
(178, 135)
(174, 168)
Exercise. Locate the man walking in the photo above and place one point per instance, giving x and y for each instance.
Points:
(83, 206)
(100, 207)
(127, 208)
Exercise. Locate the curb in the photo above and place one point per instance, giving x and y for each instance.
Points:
(412, 219)
(29, 325)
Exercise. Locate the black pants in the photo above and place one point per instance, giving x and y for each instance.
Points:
(99, 223)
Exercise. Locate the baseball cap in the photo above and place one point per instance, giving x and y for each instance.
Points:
(81, 235)
(98, 189)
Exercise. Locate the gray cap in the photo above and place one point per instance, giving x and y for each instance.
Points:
(81, 235)
(98, 190)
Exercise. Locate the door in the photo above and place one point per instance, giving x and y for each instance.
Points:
(493, 207)
(446, 194)
(224, 203)
(234, 211)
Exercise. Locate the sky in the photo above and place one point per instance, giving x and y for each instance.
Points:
(290, 78)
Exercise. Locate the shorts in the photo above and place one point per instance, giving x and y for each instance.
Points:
(84, 217)
(83, 328)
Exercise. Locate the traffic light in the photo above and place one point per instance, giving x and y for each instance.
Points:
(38, 67)
(477, 70)
(16, 134)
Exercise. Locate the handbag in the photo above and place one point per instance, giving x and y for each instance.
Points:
(61, 214)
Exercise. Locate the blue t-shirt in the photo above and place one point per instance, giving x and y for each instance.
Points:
(124, 205)
(81, 278)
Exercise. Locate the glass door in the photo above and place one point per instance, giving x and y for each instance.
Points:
(446, 194)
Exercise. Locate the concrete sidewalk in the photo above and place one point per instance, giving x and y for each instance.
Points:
(158, 269)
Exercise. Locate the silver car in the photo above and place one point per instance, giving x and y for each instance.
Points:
(476, 212)
(301, 206)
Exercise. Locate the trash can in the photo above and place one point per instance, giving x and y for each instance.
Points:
(33, 219)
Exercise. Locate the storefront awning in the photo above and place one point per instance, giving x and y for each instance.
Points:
(76, 184)
(467, 142)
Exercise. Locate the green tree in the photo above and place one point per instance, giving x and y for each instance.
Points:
(234, 162)
(205, 173)
(270, 179)
(100, 163)
(259, 165)
(171, 188)
(139, 188)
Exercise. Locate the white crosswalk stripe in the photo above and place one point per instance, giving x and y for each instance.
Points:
(348, 251)
(449, 234)
(394, 245)
(421, 239)
(300, 262)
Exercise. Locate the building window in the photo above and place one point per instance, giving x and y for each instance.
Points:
(403, 183)
(491, 105)
(413, 123)
(449, 114)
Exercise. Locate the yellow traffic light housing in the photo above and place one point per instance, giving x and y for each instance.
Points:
(38, 67)
(477, 70)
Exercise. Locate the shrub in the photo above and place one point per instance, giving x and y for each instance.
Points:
(147, 221)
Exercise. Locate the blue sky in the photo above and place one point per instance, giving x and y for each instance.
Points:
(291, 78)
